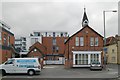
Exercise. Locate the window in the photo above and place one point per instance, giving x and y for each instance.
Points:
(24, 39)
(24, 43)
(8, 40)
(23, 49)
(113, 59)
(10, 61)
(76, 59)
(57, 48)
(0, 36)
(53, 34)
(46, 34)
(53, 48)
(91, 41)
(61, 34)
(112, 50)
(34, 40)
(36, 34)
(5, 39)
(77, 41)
(54, 41)
(81, 41)
(96, 41)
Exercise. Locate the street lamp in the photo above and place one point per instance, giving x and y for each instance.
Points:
(104, 23)
(105, 32)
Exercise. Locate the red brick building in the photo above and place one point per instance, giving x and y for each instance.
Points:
(83, 47)
(6, 41)
(37, 50)
(54, 43)
(55, 47)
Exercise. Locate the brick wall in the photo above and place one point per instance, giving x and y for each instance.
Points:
(70, 45)
(48, 43)
(5, 51)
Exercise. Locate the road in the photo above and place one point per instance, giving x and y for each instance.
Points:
(58, 71)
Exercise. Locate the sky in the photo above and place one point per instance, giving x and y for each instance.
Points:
(24, 17)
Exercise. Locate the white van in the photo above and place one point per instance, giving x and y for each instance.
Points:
(30, 66)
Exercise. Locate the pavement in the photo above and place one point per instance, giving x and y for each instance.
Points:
(58, 71)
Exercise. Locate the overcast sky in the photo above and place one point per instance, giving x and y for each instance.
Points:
(26, 17)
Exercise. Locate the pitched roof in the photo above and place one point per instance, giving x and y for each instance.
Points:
(37, 46)
(81, 30)
(110, 40)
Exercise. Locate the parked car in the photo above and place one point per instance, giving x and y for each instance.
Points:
(30, 66)
(95, 65)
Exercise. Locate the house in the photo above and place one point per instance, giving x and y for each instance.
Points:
(37, 50)
(112, 52)
(54, 42)
(83, 47)
(6, 42)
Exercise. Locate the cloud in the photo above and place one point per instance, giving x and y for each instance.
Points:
(25, 17)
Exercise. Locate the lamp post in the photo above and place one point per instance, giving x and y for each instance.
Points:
(105, 33)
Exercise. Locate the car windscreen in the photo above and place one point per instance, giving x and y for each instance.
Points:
(95, 62)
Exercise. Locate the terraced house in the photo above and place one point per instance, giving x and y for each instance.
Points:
(83, 47)
(6, 41)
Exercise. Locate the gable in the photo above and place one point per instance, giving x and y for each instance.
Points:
(37, 50)
(37, 45)
(87, 30)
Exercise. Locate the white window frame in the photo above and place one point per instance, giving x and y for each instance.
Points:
(96, 41)
(81, 41)
(91, 41)
(77, 41)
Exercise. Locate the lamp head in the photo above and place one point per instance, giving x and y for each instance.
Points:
(114, 11)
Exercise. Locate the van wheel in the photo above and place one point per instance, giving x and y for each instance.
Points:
(3, 73)
(31, 72)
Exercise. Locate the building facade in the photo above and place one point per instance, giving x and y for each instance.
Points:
(20, 44)
(112, 49)
(83, 47)
(37, 50)
(54, 43)
(6, 41)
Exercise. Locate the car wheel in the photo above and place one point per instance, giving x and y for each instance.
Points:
(3, 73)
(31, 72)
